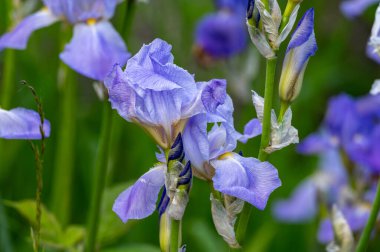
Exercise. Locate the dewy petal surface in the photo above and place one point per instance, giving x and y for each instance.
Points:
(139, 200)
(20, 123)
(19, 36)
(94, 49)
(245, 178)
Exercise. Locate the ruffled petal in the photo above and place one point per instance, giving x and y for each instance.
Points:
(245, 178)
(94, 49)
(252, 129)
(19, 36)
(139, 200)
(20, 123)
(300, 207)
(214, 94)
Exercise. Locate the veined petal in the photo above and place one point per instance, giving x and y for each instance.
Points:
(252, 129)
(300, 207)
(354, 8)
(121, 94)
(20, 123)
(214, 94)
(245, 178)
(139, 200)
(301, 47)
(94, 49)
(19, 36)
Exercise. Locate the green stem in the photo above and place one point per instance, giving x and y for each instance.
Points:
(268, 101)
(99, 177)
(65, 151)
(363, 242)
(283, 109)
(175, 231)
(265, 138)
(287, 13)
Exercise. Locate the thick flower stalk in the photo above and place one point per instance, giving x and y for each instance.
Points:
(92, 31)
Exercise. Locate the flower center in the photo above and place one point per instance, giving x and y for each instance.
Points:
(91, 21)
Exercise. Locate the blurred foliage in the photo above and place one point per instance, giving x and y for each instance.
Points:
(340, 65)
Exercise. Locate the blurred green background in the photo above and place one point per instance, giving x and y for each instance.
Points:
(340, 65)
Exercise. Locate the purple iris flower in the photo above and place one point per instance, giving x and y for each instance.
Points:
(95, 46)
(210, 153)
(330, 135)
(158, 95)
(373, 45)
(222, 34)
(354, 8)
(356, 217)
(326, 184)
(20, 123)
(362, 132)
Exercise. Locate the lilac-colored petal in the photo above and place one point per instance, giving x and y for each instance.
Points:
(317, 143)
(76, 11)
(214, 94)
(372, 53)
(196, 143)
(373, 46)
(356, 216)
(325, 232)
(245, 178)
(121, 94)
(139, 200)
(354, 8)
(252, 129)
(20, 123)
(301, 206)
(234, 6)
(153, 68)
(221, 35)
(335, 119)
(19, 36)
(94, 49)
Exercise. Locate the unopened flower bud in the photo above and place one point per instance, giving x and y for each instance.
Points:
(301, 47)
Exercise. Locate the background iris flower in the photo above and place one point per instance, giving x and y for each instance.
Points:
(92, 32)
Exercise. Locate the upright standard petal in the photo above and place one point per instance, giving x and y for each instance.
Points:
(139, 200)
(245, 178)
(19, 36)
(20, 123)
(300, 207)
(94, 49)
(301, 47)
(354, 8)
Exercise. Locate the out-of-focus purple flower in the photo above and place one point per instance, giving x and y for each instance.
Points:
(354, 8)
(20, 123)
(356, 217)
(95, 46)
(222, 34)
(361, 132)
(158, 95)
(326, 184)
(301, 47)
(210, 153)
(373, 46)
(330, 135)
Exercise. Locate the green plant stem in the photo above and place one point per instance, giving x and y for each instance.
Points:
(283, 109)
(290, 5)
(268, 101)
(65, 150)
(174, 235)
(265, 137)
(99, 179)
(363, 242)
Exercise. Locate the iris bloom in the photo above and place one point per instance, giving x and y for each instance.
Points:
(354, 8)
(20, 123)
(158, 95)
(212, 157)
(222, 34)
(95, 46)
(373, 46)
